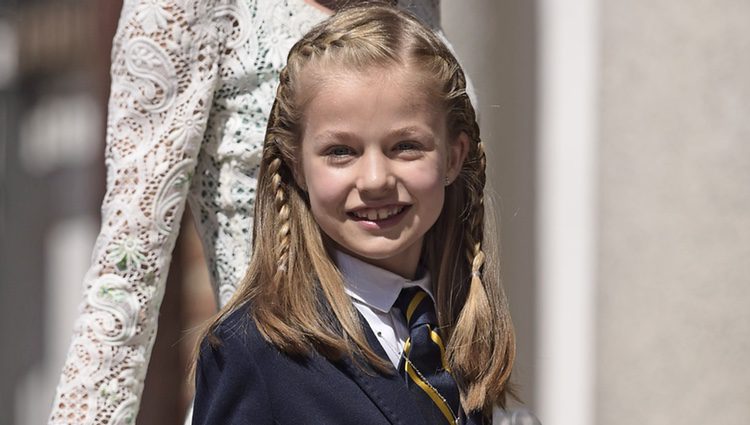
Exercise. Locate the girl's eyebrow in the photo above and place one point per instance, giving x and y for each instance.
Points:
(405, 131)
(408, 131)
(335, 135)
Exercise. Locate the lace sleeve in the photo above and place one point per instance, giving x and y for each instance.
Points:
(164, 73)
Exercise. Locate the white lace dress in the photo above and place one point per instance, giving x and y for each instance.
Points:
(192, 85)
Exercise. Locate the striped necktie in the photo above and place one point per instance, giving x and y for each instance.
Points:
(423, 364)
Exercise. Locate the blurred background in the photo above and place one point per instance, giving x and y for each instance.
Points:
(619, 156)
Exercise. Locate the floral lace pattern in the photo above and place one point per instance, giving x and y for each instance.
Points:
(192, 86)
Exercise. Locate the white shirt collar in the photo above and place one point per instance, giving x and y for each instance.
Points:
(372, 285)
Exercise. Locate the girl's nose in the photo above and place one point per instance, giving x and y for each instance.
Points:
(375, 174)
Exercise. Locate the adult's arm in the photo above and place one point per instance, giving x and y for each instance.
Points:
(164, 72)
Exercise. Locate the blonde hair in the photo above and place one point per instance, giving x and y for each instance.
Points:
(295, 289)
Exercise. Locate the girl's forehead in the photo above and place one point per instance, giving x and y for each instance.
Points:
(367, 102)
(417, 84)
(371, 105)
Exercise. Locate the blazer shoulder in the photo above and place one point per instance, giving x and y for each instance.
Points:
(231, 380)
(237, 331)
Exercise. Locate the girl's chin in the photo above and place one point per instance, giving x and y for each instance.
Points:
(403, 263)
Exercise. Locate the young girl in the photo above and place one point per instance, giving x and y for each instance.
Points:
(370, 298)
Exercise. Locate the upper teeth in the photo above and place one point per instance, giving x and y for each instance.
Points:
(378, 213)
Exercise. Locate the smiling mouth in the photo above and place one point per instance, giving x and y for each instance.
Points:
(377, 214)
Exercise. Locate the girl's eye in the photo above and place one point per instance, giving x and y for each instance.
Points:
(339, 153)
(408, 150)
(406, 146)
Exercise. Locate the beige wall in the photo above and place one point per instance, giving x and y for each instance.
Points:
(674, 214)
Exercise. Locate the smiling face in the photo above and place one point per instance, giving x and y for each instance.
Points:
(375, 158)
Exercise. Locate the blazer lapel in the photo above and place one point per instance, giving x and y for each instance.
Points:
(388, 392)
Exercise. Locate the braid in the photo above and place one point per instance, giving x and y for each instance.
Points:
(273, 154)
(475, 167)
(318, 45)
(474, 236)
(282, 227)
(476, 180)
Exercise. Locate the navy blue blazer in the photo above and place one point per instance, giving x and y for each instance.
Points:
(246, 380)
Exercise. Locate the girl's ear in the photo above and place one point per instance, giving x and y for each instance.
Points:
(457, 152)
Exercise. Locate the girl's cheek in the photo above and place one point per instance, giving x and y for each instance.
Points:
(327, 191)
(427, 176)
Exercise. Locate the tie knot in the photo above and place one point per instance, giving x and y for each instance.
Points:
(417, 307)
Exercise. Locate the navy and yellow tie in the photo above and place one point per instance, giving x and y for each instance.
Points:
(423, 364)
